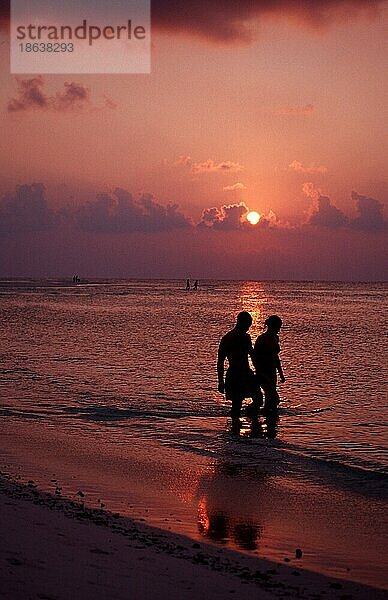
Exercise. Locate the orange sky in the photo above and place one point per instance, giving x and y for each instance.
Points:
(297, 104)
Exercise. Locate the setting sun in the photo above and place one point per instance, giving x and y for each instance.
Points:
(253, 217)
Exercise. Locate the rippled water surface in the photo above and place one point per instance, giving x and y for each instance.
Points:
(141, 353)
(123, 367)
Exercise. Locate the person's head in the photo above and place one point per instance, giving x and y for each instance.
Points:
(274, 322)
(244, 320)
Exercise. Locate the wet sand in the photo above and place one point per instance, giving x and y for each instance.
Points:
(266, 508)
(52, 548)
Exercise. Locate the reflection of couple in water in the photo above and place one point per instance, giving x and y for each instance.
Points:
(240, 381)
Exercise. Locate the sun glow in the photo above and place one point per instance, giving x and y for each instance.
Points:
(253, 217)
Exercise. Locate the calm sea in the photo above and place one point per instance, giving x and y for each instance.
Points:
(113, 384)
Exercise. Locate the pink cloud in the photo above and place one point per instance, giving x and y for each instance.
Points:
(210, 166)
(206, 166)
(299, 167)
(234, 188)
(310, 191)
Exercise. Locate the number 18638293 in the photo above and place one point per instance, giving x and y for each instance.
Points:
(46, 47)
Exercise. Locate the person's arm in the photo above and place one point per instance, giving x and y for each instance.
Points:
(220, 366)
(250, 347)
(280, 370)
(253, 353)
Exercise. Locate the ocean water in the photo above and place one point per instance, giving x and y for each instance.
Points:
(111, 387)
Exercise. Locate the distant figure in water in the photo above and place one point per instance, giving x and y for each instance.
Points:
(236, 346)
(267, 362)
(187, 284)
(195, 286)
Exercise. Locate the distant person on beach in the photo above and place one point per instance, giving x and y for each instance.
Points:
(195, 286)
(236, 346)
(187, 284)
(267, 362)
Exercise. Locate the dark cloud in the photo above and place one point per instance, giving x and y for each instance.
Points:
(121, 213)
(271, 221)
(370, 214)
(4, 14)
(31, 96)
(226, 218)
(224, 21)
(233, 218)
(74, 94)
(26, 210)
(325, 214)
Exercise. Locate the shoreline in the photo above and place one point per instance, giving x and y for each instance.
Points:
(55, 548)
(265, 510)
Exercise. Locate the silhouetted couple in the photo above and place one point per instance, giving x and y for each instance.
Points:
(240, 381)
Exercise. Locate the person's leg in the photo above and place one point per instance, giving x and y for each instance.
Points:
(253, 391)
(236, 406)
(271, 395)
(253, 409)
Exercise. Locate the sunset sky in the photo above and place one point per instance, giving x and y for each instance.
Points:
(259, 105)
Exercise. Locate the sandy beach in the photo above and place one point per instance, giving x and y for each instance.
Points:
(53, 548)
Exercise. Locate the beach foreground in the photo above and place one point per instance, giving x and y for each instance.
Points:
(53, 548)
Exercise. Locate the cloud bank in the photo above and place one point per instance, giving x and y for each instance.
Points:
(27, 210)
(117, 235)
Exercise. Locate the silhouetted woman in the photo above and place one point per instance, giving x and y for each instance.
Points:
(267, 362)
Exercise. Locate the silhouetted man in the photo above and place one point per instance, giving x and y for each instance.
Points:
(236, 346)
